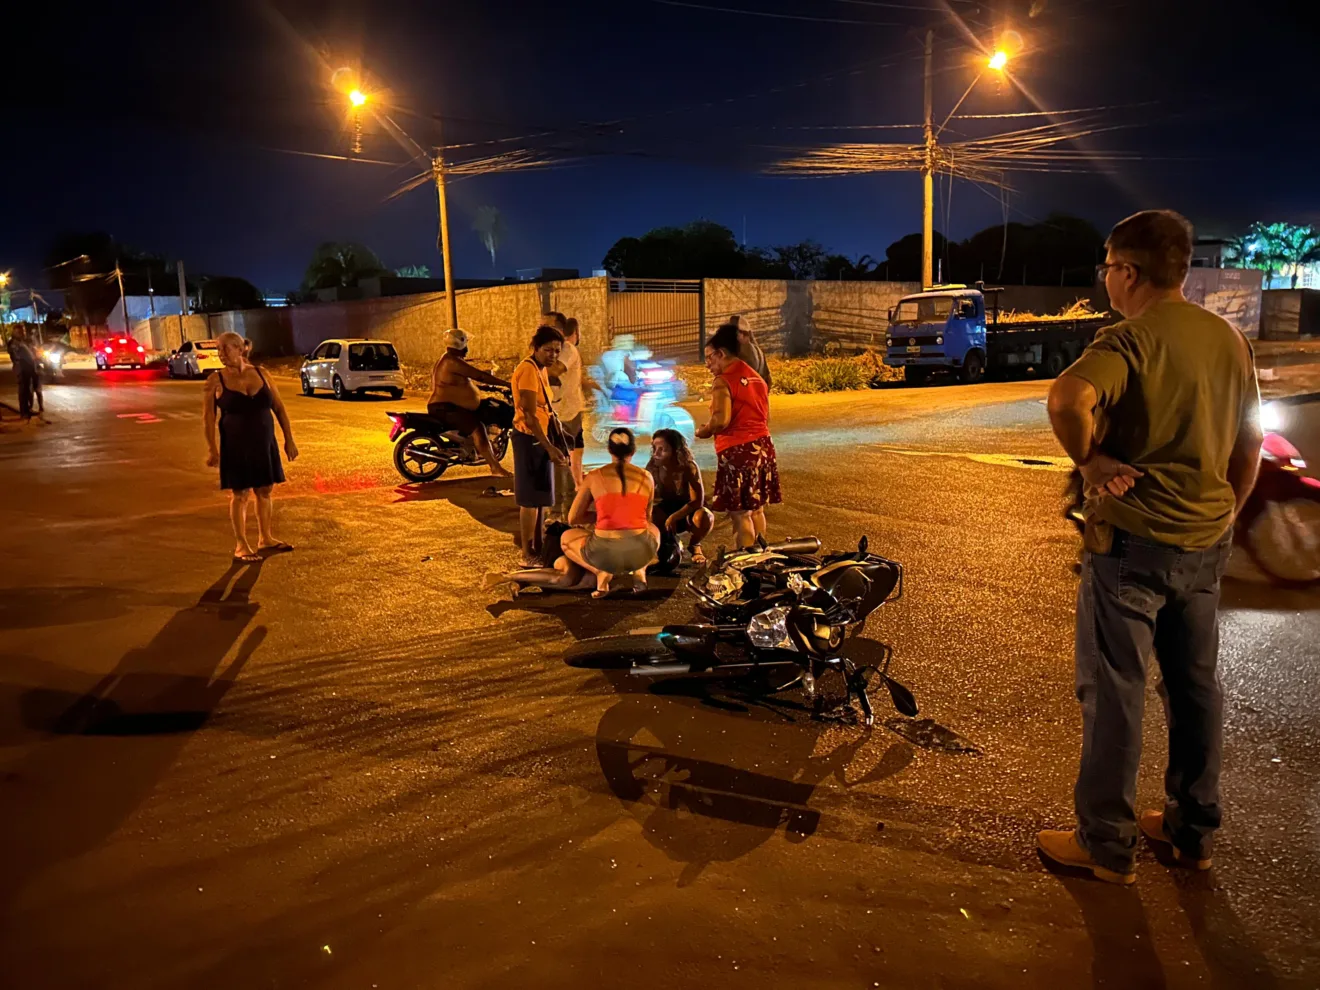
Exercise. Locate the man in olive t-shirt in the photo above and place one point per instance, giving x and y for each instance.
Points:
(1160, 416)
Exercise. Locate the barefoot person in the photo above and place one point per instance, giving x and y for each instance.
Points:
(534, 456)
(454, 398)
(623, 541)
(680, 496)
(1160, 415)
(747, 478)
(248, 456)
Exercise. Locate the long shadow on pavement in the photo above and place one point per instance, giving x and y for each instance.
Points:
(112, 744)
(470, 494)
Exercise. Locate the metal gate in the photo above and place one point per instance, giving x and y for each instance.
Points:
(664, 315)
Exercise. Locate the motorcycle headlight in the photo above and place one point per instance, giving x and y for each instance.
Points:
(1271, 417)
(768, 630)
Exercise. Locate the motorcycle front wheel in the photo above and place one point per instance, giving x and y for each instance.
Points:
(420, 458)
(1284, 541)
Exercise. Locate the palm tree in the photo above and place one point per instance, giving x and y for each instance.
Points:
(1297, 246)
(341, 264)
(489, 226)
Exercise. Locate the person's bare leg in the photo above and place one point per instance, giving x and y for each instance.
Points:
(528, 523)
(758, 522)
(702, 523)
(482, 440)
(744, 530)
(238, 503)
(575, 461)
(265, 535)
(572, 544)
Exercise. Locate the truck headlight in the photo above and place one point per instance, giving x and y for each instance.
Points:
(889, 341)
(939, 340)
(768, 630)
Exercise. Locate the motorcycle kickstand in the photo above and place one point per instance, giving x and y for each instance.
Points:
(857, 681)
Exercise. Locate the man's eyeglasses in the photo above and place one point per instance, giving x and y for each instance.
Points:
(1102, 269)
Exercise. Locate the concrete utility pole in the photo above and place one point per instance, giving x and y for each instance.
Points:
(928, 172)
(438, 170)
(123, 299)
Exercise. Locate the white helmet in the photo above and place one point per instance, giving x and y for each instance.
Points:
(456, 340)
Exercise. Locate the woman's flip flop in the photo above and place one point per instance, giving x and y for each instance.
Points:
(280, 547)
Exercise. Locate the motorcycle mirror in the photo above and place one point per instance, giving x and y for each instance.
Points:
(760, 542)
(902, 697)
(862, 545)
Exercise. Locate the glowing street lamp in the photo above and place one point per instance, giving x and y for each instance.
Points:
(998, 60)
(4, 279)
(357, 98)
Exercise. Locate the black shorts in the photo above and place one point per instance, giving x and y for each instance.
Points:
(533, 473)
(466, 421)
(573, 431)
(666, 507)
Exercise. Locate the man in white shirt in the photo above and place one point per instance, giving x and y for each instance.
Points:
(570, 403)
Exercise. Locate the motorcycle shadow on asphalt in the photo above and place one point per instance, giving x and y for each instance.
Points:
(74, 787)
(711, 772)
(498, 511)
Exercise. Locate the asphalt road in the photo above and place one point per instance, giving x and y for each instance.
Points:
(345, 767)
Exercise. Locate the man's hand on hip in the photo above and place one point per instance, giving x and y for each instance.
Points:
(1109, 475)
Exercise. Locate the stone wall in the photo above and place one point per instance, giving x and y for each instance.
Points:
(501, 319)
(795, 317)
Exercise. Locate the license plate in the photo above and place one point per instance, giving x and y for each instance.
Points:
(379, 378)
(914, 349)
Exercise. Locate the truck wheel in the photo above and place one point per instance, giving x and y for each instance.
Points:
(973, 369)
(916, 377)
(1055, 362)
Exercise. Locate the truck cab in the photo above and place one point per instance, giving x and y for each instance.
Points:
(941, 328)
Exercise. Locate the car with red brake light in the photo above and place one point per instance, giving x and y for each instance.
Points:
(119, 352)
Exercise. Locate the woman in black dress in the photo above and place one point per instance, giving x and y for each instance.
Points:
(248, 456)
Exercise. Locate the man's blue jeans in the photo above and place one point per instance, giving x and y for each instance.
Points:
(1139, 597)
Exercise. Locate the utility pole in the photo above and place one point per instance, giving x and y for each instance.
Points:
(928, 171)
(123, 299)
(438, 170)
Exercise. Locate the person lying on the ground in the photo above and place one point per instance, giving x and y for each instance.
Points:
(454, 399)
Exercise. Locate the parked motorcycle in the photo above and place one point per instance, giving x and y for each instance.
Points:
(426, 446)
(776, 617)
(1279, 526)
(650, 405)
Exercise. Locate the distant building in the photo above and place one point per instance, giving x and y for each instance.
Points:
(1208, 252)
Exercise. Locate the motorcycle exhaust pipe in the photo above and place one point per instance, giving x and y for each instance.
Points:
(659, 669)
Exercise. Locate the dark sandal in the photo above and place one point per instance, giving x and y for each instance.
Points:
(280, 547)
(249, 558)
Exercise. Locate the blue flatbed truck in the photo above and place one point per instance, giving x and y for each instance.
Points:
(948, 329)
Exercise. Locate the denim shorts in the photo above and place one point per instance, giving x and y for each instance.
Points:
(620, 555)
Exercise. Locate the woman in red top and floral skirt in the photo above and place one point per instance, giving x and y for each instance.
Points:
(747, 478)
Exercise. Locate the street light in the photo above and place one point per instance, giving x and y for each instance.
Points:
(931, 162)
(4, 279)
(357, 98)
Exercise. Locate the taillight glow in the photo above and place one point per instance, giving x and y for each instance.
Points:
(140, 350)
(1276, 447)
(109, 350)
(122, 340)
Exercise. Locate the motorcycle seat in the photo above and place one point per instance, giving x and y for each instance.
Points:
(842, 579)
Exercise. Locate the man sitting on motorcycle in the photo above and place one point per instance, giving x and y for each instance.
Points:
(454, 399)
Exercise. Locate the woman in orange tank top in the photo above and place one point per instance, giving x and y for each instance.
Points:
(747, 478)
(623, 541)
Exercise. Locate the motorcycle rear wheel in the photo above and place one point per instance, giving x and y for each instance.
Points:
(1284, 541)
(419, 470)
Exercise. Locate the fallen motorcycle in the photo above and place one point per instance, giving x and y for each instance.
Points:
(777, 617)
(425, 446)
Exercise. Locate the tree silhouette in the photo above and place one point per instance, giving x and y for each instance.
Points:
(489, 226)
(341, 265)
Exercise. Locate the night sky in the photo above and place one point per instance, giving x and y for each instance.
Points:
(171, 125)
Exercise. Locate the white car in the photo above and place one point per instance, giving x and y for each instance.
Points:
(353, 367)
(194, 359)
